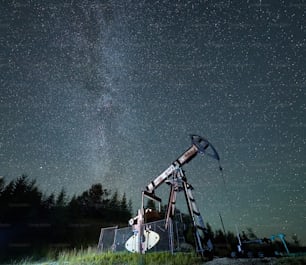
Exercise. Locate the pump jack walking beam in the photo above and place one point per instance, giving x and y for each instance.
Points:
(199, 145)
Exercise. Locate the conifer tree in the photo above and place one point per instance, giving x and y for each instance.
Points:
(61, 200)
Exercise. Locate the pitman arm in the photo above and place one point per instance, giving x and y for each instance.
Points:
(199, 145)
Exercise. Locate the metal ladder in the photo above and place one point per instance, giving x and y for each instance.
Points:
(178, 183)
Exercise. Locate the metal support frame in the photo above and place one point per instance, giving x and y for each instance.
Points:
(175, 176)
(179, 183)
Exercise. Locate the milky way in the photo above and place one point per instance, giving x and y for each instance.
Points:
(109, 91)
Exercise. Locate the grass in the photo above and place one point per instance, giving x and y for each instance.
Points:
(91, 257)
(129, 259)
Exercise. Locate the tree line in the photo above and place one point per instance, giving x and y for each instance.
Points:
(32, 221)
(35, 223)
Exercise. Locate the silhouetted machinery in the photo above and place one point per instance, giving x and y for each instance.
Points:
(259, 247)
(143, 238)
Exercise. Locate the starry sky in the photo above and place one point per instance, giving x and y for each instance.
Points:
(109, 91)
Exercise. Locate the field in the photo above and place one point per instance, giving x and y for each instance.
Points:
(92, 258)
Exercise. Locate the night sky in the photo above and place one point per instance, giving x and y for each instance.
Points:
(109, 91)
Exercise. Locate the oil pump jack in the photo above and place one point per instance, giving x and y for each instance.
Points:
(143, 238)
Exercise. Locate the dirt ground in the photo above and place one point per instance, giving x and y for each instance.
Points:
(254, 261)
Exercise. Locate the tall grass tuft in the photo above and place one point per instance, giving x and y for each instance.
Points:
(95, 258)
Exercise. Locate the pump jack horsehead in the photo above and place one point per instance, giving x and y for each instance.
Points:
(143, 238)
